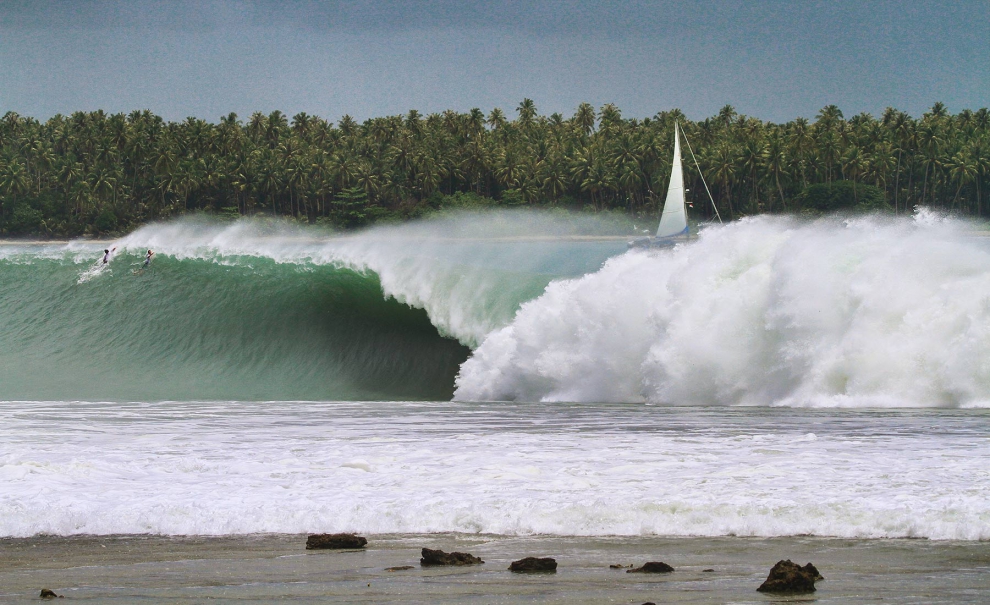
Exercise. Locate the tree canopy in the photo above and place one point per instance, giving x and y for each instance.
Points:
(93, 172)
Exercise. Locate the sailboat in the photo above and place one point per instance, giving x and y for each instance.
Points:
(673, 227)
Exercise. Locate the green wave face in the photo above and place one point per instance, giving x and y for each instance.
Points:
(196, 329)
(263, 310)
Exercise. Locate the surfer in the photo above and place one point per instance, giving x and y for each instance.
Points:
(147, 258)
(106, 255)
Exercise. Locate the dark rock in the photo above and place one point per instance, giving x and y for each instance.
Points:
(790, 578)
(399, 568)
(813, 571)
(649, 603)
(438, 557)
(707, 570)
(534, 564)
(653, 567)
(336, 541)
(47, 593)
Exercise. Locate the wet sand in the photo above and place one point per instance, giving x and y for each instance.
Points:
(262, 569)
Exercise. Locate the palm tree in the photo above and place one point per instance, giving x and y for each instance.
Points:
(270, 183)
(930, 141)
(496, 119)
(829, 118)
(301, 124)
(368, 181)
(724, 169)
(14, 181)
(903, 130)
(609, 118)
(852, 165)
(751, 161)
(527, 112)
(584, 119)
(553, 179)
(631, 180)
(776, 163)
(963, 170)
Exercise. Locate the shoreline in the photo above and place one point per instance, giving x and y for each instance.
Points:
(268, 567)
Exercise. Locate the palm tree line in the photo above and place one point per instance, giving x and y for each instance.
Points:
(94, 172)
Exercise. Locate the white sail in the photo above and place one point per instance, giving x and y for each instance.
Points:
(673, 221)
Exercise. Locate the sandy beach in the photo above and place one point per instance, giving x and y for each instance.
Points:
(267, 568)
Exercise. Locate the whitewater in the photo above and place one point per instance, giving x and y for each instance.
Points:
(500, 373)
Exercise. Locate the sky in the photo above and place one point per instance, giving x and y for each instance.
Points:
(768, 59)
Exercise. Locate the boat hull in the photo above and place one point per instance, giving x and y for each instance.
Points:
(651, 243)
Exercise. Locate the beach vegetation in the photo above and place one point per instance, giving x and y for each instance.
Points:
(98, 173)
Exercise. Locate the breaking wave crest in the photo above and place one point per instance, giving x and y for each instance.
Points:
(767, 311)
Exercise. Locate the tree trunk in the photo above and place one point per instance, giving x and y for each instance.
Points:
(783, 204)
(897, 179)
(910, 189)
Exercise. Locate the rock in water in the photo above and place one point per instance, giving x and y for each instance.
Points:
(534, 564)
(399, 568)
(438, 557)
(336, 541)
(47, 593)
(790, 578)
(653, 567)
(813, 571)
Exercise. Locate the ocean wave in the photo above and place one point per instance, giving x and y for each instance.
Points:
(766, 311)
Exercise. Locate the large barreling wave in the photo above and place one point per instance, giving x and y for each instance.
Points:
(261, 310)
(506, 306)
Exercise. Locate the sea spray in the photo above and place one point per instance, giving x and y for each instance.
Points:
(766, 311)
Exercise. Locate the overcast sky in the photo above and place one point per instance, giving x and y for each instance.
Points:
(773, 60)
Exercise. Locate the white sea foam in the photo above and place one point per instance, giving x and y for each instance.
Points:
(767, 311)
(238, 467)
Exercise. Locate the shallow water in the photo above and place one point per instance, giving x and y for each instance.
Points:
(262, 569)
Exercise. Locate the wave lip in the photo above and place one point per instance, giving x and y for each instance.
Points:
(469, 271)
(764, 311)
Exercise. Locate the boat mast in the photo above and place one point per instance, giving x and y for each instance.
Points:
(714, 207)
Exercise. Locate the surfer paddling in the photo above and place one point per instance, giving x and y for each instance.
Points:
(147, 258)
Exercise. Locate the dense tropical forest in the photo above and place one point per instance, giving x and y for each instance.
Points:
(94, 173)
